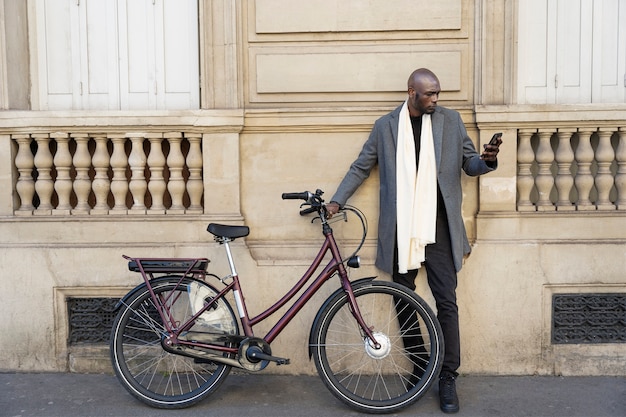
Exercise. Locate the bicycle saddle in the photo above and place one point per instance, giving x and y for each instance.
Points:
(224, 230)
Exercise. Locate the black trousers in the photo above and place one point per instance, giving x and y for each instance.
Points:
(442, 281)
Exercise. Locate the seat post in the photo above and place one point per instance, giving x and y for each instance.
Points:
(229, 255)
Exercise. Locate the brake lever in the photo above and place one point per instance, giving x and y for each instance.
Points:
(311, 209)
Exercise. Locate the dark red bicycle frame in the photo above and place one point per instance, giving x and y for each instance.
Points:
(334, 265)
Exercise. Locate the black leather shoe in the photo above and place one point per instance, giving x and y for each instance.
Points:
(448, 400)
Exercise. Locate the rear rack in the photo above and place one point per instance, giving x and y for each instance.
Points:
(178, 265)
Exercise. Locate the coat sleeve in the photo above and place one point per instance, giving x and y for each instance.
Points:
(360, 169)
(472, 164)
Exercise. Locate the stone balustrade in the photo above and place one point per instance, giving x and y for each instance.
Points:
(569, 164)
(65, 173)
(119, 163)
(569, 169)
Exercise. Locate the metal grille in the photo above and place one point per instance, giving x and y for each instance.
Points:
(589, 318)
(90, 319)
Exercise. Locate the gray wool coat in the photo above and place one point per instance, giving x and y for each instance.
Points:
(454, 152)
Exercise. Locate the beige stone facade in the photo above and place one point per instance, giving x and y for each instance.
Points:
(288, 92)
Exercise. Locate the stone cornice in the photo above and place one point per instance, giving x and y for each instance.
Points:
(121, 121)
(538, 116)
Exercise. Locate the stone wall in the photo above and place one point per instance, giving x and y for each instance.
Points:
(286, 108)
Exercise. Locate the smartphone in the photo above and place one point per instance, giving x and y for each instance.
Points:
(493, 141)
(494, 138)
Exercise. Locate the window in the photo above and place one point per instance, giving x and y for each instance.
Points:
(120, 54)
(572, 51)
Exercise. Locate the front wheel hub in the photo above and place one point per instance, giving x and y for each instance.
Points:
(384, 346)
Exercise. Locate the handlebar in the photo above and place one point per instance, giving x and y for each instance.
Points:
(315, 203)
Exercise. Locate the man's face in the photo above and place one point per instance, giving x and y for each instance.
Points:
(423, 96)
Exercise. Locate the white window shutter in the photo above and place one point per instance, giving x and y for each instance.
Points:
(536, 52)
(99, 74)
(609, 51)
(58, 54)
(180, 71)
(118, 54)
(137, 63)
(159, 54)
(573, 51)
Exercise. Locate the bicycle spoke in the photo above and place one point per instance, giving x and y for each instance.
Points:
(158, 377)
(384, 377)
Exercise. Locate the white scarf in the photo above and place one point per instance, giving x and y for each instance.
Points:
(416, 192)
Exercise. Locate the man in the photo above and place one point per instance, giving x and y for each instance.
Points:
(420, 150)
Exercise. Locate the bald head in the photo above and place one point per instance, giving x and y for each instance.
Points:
(420, 76)
(423, 89)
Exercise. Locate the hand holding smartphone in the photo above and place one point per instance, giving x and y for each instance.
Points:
(493, 142)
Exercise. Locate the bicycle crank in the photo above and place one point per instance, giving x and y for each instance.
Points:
(255, 354)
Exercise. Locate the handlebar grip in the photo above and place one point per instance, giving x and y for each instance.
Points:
(305, 195)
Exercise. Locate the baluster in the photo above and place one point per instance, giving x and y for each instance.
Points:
(620, 177)
(63, 164)
(564, 179)
(82, 182)
(101, 184)
(119, 183)
(25, 186)
(195, 186)
(175, 162)
(544, 180)
(604, 177)
(156, 164)
(138, 184)
(525, 180)
(44, 185)
(584, 178)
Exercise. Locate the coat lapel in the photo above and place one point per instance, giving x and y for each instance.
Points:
(393, 121)
(437, 121)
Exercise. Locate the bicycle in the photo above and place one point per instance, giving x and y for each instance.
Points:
(376, 345)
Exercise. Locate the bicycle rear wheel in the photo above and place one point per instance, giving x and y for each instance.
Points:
(384, 379)
(150, 373)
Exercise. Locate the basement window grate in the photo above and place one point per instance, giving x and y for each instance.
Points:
(90, 320)
(589, 318)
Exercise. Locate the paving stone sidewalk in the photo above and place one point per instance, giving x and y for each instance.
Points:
(99, 395)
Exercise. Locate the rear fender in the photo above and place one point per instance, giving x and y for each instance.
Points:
(141, 287)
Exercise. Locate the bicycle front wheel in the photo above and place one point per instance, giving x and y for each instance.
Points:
(150, 373)
(387, 377)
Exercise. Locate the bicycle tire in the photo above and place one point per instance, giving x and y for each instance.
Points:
(150, 373)
(377, 380)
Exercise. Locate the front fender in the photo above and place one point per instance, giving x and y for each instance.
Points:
(328, 300)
